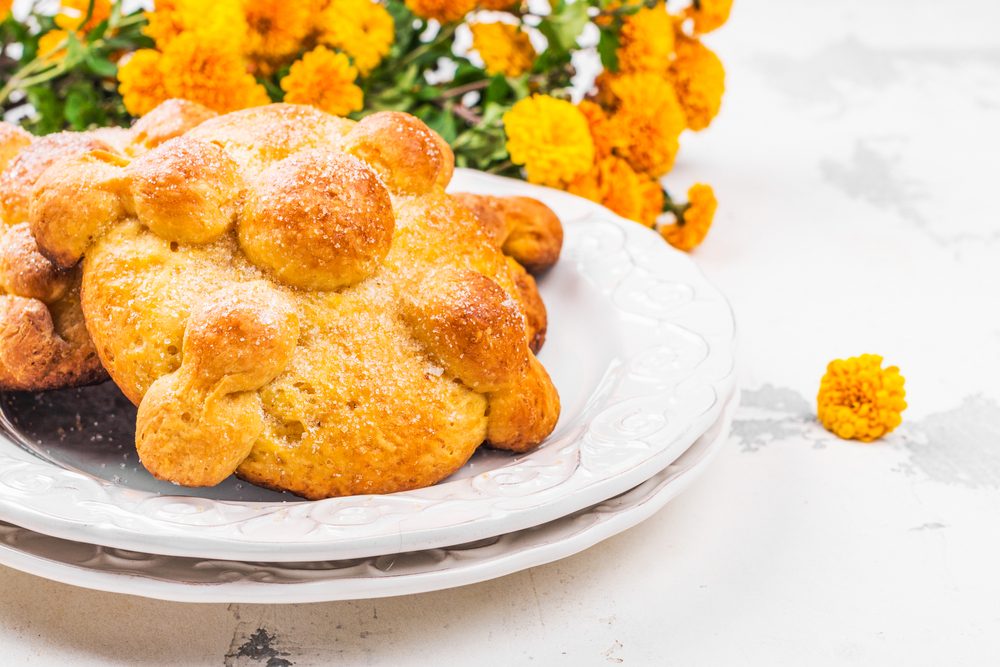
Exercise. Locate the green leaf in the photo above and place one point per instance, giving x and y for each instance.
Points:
(426, 92)
(82, 106)
(607, 47)
(97, 31)
(99, 65)
(443, 122)
(563, 26)
(47, 108)
(76, 52)
(498, 90)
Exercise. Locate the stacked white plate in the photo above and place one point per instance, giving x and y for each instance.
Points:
(640, 346)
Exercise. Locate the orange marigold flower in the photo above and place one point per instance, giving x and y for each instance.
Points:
(600, 128)
(699, 80)
(366, 37)
(647, 120)
(209, 73)
(550, 138)
(72, 12)
(277, 28)
(324, 79)
(647, 40)
(694, 221)
(615, 185)
(497, 5)
(860, 400)
(5, 6)
(606, 16)
(504, 48)
(710, 15)
(444, 11)
(220, 21)
(140, 82)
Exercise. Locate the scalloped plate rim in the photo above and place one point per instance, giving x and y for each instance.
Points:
(541, 550)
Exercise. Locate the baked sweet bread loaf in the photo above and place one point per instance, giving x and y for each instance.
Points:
(43, 340)
(293, 297)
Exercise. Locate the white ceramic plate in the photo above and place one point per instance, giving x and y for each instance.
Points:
(640, 347)
(196, 580)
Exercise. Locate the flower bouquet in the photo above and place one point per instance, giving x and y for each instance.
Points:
(589, 96)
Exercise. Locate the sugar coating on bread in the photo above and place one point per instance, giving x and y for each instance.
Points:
(43, 339)
(321, 318)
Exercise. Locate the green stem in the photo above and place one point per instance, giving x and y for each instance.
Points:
(677, 210)
(467, 88)
(27, 72)
(35, 72)
(628, 9)
(499, 168)
(445, 34)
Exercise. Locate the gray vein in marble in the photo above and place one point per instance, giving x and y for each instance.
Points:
(819, 78)
(816, 79)
(771, 413)
(959, 446)
(932, 525)
(871, 175)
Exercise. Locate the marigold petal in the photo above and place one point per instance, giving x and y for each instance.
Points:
(860, 400)
(647, 40)
(325, 80)
(367, 37)
(699, 80)
(504, 48)
(550, 138)
(444, 11)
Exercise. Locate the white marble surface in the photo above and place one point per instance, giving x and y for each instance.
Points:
(856, 161)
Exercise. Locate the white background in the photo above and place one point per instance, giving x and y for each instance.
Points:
(856, 160)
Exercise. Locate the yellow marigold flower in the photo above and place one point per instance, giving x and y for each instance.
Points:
(860, 400)
(140, 82)
(366, 35)
(614, 184)
(647, 40)
(445, 11)
(72, 12)
(647, 120)
(550, 138)
(504, 48)
(710, 15)
(694, 221)
(5, 6)
(209, 73)
(220, 21)
(277, 28)
(324, 79)
(497, 5)
(699, 80)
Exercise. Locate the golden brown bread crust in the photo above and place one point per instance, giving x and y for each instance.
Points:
(168, 120)
(43, 341)
(524, 228)
(531, 235)
(403, 358)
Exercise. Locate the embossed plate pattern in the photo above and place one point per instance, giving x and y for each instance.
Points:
(197, 580)
(640, 347)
